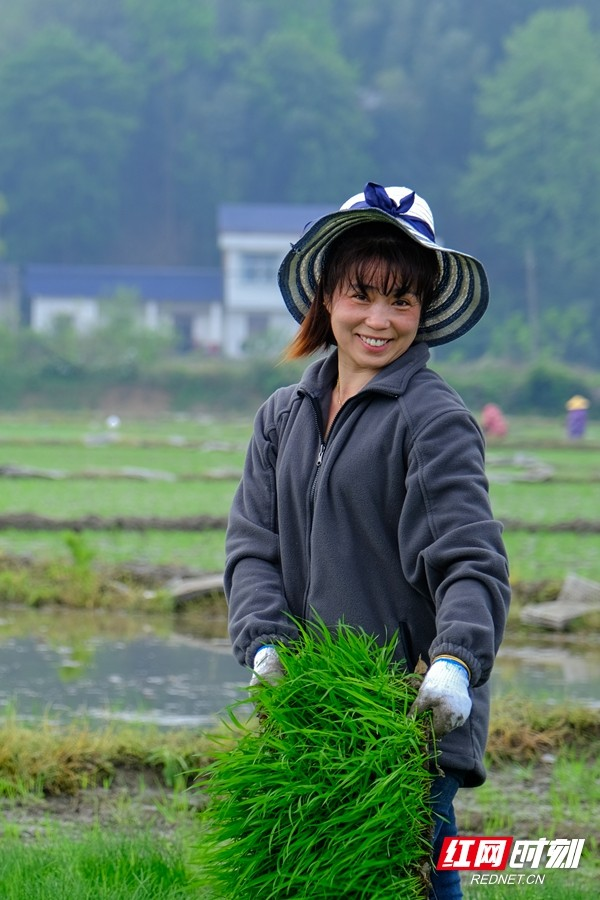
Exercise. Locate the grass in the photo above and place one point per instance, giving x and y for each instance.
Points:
(343, 775)
(75, 458)
(572, 773)
(535, 558)
(545, 502)
(555, 886)
(100, 864)
(563, 794)
(48, 760)
(115, 498)
(524, 794)
(524, 732)
(528, 795)
(203, 551)
(542, 555)
(38, 426)
(186, 447)
(569, 462)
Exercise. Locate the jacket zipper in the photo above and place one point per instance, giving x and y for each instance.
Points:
(321, 452)
(311, 496)
(322, 448)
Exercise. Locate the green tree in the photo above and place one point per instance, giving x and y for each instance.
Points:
(304, 133)
(67, 110)
(536, 183)
(276, 121)
(172, 50)
(418, 67)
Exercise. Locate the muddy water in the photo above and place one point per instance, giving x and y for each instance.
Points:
(160, 670)
(179, 671)
(549, 671)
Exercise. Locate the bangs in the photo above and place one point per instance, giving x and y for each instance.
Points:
(387, 277)
(383, 257)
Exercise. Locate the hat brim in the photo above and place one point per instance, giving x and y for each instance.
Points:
(461, 298)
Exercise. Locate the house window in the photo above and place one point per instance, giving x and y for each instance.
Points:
(259, 268)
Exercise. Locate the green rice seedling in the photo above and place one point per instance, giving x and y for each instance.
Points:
(575, 788)
(101, 864)
(328, 796)
(203, 551)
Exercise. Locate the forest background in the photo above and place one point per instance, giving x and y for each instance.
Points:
(124, 124)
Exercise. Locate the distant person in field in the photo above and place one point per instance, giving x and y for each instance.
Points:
(577, 411)
(493, 422)
(364, 497)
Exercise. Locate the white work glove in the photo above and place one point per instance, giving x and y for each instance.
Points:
(266, 666)
(445, 691)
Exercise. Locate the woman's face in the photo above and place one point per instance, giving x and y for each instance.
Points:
(373, 328)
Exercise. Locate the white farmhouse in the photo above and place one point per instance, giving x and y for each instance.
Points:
(229, 310)
(253, 239)
(187, 300)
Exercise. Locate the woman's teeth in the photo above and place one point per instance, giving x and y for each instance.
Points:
(374, 342)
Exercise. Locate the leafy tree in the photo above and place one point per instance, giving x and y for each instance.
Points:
(304, 135)
(171, 48)
(275, 122)
(536, 184)
(66, 113)
(418, 68)
(125, 123)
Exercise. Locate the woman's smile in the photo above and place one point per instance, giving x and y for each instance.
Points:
(374, 342)
(372, 328)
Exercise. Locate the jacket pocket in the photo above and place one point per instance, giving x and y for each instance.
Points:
(405, 647)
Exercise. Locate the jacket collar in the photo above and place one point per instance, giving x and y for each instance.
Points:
(322, 374)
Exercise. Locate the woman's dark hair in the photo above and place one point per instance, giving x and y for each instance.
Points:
(356, 257)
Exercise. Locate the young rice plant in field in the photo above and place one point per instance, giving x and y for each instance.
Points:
(328, 795)
(105, 865)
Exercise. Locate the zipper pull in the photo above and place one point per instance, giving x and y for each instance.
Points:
(320, 456)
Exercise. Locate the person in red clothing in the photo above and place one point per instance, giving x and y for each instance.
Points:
(493, 422)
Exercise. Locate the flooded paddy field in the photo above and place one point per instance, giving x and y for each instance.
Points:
(81, 494)
(178, 670)
(97, 655)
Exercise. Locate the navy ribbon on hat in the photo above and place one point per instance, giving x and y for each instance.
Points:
(376, 197)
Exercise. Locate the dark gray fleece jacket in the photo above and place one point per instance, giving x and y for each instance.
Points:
(386, 525)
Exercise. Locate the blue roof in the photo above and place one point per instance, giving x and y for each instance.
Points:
(271, 218)
(151, 283)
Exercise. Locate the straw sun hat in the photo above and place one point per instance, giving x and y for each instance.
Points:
(463, 292)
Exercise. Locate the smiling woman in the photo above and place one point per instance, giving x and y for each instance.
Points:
(375, 307)
(364, 498)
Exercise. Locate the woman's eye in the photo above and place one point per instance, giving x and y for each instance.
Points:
(405, 300)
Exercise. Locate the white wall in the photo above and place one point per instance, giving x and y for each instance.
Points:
(82, 311)
(250, 263)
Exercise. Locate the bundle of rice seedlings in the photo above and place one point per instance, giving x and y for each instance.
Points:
(328, 796)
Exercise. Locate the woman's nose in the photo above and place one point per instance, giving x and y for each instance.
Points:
(378, 316)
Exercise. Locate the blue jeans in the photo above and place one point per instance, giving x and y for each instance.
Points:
(444, 885)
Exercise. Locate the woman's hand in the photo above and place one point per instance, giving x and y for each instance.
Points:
(266, 666)
(445, 691)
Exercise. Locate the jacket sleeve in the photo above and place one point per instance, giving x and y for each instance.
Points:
(452, 546)
(258, 612)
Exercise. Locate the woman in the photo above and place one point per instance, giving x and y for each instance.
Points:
(364, 497)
